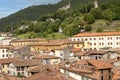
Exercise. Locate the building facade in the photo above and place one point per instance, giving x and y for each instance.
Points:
(99, 40)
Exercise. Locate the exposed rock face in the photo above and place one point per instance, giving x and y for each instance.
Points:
(96, 3)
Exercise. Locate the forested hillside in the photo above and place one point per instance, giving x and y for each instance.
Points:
(82, 16)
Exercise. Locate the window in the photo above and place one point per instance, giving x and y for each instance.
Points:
(77, 45)
(111, 38)
(86, 39)
(6, 50)
(116, 37)
(3, 56)
(78, 39)
(6, 55)
(94, 38)
(3, 66)
(117, 43)
(3, 51)
(99, 38)
(8, 72)
(90, 44)
(61, 54)
(94, 43)
(94, 48)
(90, 38)
(22, 68)
(18, 68)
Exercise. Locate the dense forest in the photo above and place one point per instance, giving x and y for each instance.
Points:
(48, 19)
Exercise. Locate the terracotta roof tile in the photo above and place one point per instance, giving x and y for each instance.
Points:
(7, 60)
(9, 77)
(98, 64)
(85, 34)
(75, 50)
(90, 52)
(26, 62)
(6, 47)
(43, 68)
(24, 40)
(44, 56)
(48, 76)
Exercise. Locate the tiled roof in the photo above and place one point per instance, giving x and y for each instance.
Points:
(69, 61)
(7, 60)
(44, 56)
(111, 60)
(48, 76)
(87, 34)
(26, 62)
(75, 49)
(26, 40)
(58, 42)
(82, 62)
(82, 71)
(19, 47)
(6, 47)
(9, 77)
(116, 72)
(43, 68)
(90, 52)
(98, 64)
(81, 53)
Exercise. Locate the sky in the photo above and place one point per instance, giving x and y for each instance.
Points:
(8, 7)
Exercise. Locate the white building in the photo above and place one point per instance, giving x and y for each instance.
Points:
(6, 40)
(99, 40)
(5, 52)
(20, 67)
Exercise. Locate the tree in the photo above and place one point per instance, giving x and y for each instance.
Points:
(96, 12)
(89, 18)
(54, 27)
(7, 28)
(71, 29)
(88, 28)
(99, 30)
(31, 27)
(108, 14)
(104, 6)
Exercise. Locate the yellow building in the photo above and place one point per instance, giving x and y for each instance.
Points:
(56, 44)
(24, 42)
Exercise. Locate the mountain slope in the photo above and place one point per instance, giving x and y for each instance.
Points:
(33, 12)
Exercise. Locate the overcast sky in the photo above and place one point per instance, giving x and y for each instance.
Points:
(8, 7)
